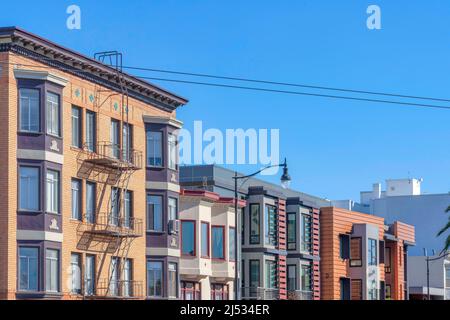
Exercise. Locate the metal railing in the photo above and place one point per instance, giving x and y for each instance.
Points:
(300, 295)
(109, 223)
(260, 293)
(111, 154)
(123, 289)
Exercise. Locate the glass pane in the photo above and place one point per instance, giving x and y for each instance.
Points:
(90, 202)
(29, 110)
(254, 224)
(154, 148)
(52, 190)
(188, 238)
(232, 243)
(29, 188)
(154, 213)
(205, 239)
(218, 243)
(52, 113)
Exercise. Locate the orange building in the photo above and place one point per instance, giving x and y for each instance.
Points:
(362, 258)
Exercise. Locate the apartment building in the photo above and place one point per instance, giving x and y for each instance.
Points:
(362, 258)
(279, 231)
(89, 176)
(208, 246)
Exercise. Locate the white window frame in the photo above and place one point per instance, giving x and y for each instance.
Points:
(27, 102)
(53, 114)
(52, 191)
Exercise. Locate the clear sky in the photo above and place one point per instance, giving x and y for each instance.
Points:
(334, 148)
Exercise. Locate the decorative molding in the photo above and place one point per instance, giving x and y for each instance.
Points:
(40, 155)
(39, 75)
(39, 235)
(154, 251)
(162, 120)
(163, 186)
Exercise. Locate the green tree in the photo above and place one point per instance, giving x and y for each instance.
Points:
(444, 230)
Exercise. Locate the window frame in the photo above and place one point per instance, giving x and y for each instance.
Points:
(39, 108)
(208, 239)
(90, 219)
(288, 241)
(49, 112)
(372, 252)
(161, 263)
(356, 262)
(162, 213)
(232, 254)
(55, 197)
(39, 187)
(79, 214)
(169, 272)
(172, 163)
(169, 212)
(50, 273)
(194, 232)
(154, 149)
(252, 241)
(223, 243)
(38, 268)
(79, 121)
(270, 239)
(91, 115)
(79, 265)
(288, 273)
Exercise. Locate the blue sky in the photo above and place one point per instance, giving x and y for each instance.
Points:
(334, 148)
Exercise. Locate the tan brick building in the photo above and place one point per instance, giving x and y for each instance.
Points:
(84, 147)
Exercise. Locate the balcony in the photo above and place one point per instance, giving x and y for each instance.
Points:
(107, 224)
(300, 295)
(114, 289)
(109, 155)
(259, 293)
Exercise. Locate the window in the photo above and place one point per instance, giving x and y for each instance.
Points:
(306, 225)
(128, 209)
(76, 199)
(52, 190)
(28, 269)
(232, 244)
(154, 213)
(292, 277)
(291, 231)
(173, 280)
(89, 275)
(29, 110)
(388, 292)
(344, 246)
(115, 138)
(172, 149)
(52, 270)
(188, 238)
(270, 225)
(91, 137)
(387, 260)
(154, 149)
(115, 207)
(219, 291)
(75, 266)
(190, 290)
(76, 127)
(127, 277)
(90, 202)
(114, 280)
(447, 275)
(372, 292)
(205, 239)
(345, 288)
(271, 274)
(218, 242)
(254, 277)
(356, 289)
(372, 252)
(306, 275)
(173, 208)
(29, 191)
(154, 278)
(355, 252)
(53, 117)
(254, 223)
(127, 137)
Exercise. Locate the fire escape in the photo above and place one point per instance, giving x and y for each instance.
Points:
(109, 233)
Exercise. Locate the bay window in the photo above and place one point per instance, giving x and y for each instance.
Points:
(173, 280)
(205, 239)
(172, 151)
(154, 213)
(52, 191)
(154, 149)
(28, 269)
(52, 270)
(188, 238)
(218, 242)
(154, 278)
(29, 190)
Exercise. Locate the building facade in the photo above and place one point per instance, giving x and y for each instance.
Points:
(77, 148)
(362, 258)
(208, 246)
(279, 233)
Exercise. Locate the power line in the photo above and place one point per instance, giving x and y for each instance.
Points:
(298, 93)
(287, 84)
(270, 90)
